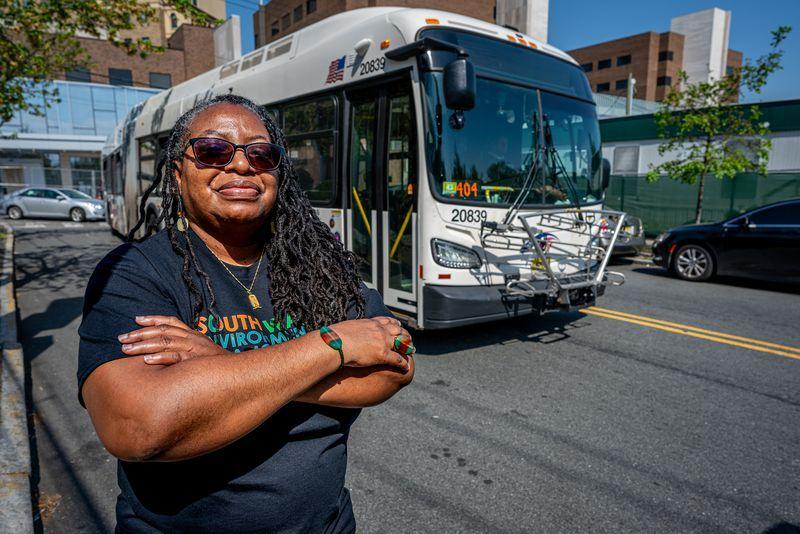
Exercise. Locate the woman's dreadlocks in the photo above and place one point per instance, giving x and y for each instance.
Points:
(312, 277)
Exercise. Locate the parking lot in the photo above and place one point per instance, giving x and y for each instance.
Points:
(671, 406)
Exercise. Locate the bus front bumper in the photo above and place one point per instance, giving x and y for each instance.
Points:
(452, 306)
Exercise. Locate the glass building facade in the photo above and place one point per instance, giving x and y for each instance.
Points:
(84, 109)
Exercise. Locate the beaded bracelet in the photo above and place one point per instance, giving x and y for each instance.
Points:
(333, 340)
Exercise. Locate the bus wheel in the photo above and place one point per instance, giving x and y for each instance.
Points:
(77, 215)
(14, 213)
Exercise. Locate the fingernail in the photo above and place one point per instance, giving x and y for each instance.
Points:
(126, 346)
(139, 317)
(123, 337)
(149, 358)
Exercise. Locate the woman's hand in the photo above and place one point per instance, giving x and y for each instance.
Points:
(166, 341)
(368, 342)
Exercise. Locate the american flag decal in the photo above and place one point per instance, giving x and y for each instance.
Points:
(336, 71)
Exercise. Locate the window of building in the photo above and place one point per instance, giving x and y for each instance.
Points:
(664, 80)
(623, 60)
(665, 55)
(626, 160)
(173, 21)
(276, 29)
(297, 14)
(79, 74)
(128, 40)
(285, 21)
(621, 84)
(601, 87)
(311, 6)
(52, 168)
(120, 77)
(603, 64)
(587, 67)
(85, 171)
(309, 130)
(159, 80)
(729, 70)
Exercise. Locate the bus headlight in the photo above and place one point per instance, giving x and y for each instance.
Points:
(454, 256)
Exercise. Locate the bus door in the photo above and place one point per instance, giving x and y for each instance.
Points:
(382, 192)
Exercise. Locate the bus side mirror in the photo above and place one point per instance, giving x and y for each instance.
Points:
(459, 84)
(606, 173)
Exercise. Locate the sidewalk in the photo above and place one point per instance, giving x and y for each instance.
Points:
(15, 457)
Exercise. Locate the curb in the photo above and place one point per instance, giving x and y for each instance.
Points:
(15, 457)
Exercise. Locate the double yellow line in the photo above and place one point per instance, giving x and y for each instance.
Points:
(700, 333)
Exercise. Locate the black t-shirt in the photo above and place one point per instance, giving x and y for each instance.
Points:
(288, 474)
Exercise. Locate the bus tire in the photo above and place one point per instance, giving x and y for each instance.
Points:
(14, 212)
(77, 215)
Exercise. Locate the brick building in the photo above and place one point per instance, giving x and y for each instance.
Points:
(168, 20)
(282, 17)
(190, 51)
(654, 59)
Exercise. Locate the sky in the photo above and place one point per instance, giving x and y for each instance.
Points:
(578, 23)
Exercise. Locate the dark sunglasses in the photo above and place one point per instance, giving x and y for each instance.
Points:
(215, 152)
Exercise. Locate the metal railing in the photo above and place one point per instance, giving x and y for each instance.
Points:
(570, 251)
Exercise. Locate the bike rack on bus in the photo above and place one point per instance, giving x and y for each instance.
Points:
(587, 237)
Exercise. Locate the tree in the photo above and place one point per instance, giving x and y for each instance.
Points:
(39, 41)
(705, 134)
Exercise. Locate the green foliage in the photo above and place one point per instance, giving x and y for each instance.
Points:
(704, 134)
(39, 41)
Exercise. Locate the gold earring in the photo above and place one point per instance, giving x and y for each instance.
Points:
(182, 224)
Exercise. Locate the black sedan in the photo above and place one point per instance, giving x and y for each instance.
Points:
(763, 243)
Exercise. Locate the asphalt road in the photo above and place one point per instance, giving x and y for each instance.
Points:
(568, 422)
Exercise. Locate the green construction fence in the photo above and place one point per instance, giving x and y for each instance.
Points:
(668, 203)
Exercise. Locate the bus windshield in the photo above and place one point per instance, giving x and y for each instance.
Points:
(487, 160)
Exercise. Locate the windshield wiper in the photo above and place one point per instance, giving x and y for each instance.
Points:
(556, 164)
(537, 143)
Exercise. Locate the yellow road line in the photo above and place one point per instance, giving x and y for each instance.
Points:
(686, 331)
(700, 330)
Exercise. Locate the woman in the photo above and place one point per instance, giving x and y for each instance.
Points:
(224, 359)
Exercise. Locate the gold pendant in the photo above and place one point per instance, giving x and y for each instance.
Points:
(254, 301)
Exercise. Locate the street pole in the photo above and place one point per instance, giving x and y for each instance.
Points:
(629, 94)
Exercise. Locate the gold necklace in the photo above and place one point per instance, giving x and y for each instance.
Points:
(253, 299)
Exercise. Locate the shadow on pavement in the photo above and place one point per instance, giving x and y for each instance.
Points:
(59, 313)
(58, 266)
(783, 528)
(545, 329)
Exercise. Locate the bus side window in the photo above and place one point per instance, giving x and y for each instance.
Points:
(119, 179)
(275, 114)
(108, 176)
(309, 130)
(147, 163)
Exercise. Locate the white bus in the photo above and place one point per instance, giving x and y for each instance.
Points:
(459, 160)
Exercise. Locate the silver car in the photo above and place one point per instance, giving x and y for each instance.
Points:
(52, 202)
